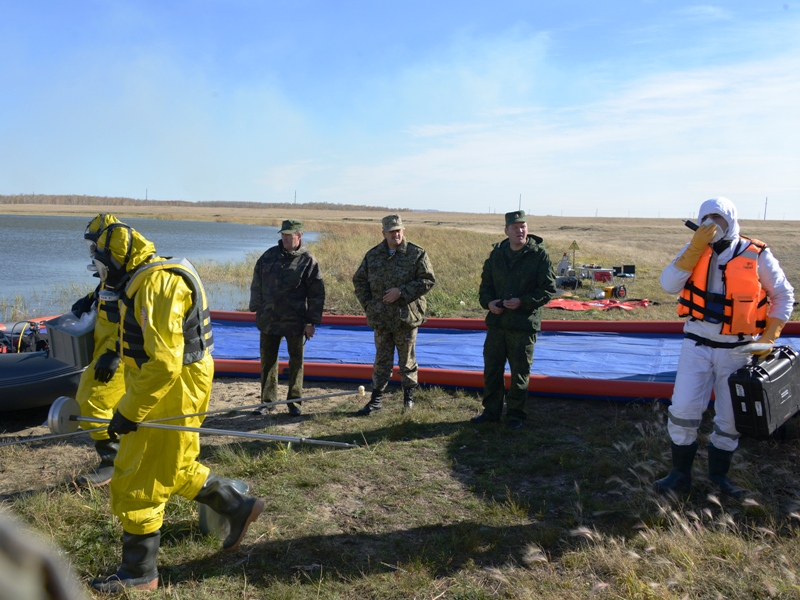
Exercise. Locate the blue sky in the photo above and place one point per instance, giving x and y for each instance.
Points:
(579, 107)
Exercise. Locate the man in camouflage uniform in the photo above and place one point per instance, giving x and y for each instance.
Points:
(517, 280)
(391, 284)
(287, 294)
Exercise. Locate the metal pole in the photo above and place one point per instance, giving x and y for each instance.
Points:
(245, 434)
(52, 436)
(360, 391)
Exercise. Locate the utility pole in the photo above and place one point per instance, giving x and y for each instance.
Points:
(295, 196)
(765, 207)
(520, 203)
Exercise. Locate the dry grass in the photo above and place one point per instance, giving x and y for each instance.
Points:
(431, 506)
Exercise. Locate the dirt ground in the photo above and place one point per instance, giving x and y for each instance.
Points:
(33, 466)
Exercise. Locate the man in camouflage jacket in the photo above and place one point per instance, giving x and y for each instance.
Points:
(391, 284)
(287, 294)
(517, 280)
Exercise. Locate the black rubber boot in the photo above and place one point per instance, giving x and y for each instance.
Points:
(294, 408)
(374, 405)
(719, 462)
(408, 398)
(679, 478)
(240, 510)
(107, 449)
(484, 417)
(138, 570)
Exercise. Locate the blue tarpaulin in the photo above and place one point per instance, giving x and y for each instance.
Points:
(591, 355)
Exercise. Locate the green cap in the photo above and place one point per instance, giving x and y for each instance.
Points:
(518, 216)
(392, 223)
(291, 226)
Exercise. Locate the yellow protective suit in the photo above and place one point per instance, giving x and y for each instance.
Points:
(154, 464)
(97, 399)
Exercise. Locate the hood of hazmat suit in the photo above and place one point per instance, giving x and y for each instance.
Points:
(727, 210)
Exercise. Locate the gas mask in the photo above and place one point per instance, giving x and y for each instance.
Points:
(99, 269)
(113, 274)
(92, 246)
(720, 233)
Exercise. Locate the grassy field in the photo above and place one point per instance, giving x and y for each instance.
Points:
(431, 506)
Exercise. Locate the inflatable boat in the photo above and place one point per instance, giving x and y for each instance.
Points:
(29, 376)
(33, 379)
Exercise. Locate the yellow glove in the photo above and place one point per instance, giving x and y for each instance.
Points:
(700, 240)
(771, 333)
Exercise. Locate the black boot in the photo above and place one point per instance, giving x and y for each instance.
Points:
(484, 418)
(719, 461)
(294, 408)
(107, 449)
(374, 405)
(240, 510)
(679, 478)
(408, 398)
(138, 570)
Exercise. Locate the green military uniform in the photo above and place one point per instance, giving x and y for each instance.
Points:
(526, 274)
(395, 324)
(287, 293)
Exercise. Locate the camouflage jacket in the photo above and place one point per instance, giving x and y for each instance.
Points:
(287, 292)
(526, 274)
(409, 269)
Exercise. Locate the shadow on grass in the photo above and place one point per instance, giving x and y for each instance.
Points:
(441, 549)
(19, 420)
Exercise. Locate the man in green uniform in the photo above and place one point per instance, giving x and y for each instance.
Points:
(288, 295)
(391, 284)
(517, 280)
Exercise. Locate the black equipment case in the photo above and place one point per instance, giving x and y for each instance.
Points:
(766, 394)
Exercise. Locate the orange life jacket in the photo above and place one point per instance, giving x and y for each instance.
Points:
(744, 302)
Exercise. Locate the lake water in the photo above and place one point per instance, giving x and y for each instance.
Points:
(43, 259)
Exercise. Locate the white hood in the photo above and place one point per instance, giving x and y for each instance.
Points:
(725, 208)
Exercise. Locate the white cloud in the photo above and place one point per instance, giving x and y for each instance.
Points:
(704, 12)
(670, 140)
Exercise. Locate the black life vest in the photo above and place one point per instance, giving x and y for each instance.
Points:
(197, 334)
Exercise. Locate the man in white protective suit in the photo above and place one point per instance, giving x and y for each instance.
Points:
(732, 292)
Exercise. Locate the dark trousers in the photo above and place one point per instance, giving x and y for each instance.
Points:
(269, 366)
(516, 347)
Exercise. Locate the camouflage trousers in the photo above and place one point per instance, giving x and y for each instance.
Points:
(269, 347)
(386, 340)
(516, 347)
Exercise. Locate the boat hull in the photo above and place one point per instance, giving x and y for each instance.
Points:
(32, 379)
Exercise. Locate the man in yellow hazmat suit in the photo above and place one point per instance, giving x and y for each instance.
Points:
(102, 384)
(165, 342)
